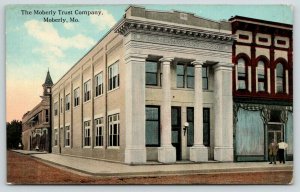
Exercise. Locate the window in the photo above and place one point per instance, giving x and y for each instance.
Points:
(241, 74)
(281, 42)
(261, 77)
(99, 84)
(185, 76)
(87, 133)
(151, 73)
(279, 78)
(55, 108)
(61, 105)
(180, 76)
(262, 39)
(205, 78)
(113, 76)
(245, 37)
(152, 126)
(206, 127)
(67, 136)
(99, 132)
(67, 102)
(113, 130)
(55, 137)
(47, 115)
(76, 97)
(190, 130)
(87, 91)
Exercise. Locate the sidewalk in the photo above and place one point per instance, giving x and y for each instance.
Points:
(104, 168)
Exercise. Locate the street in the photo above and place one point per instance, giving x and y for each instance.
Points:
(23, 169)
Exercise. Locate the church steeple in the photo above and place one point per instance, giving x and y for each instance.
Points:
(48, 84)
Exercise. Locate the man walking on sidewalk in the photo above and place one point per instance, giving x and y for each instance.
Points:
(273, 148)
(281, 151)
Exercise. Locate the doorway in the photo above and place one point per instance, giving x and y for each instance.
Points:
(176, 131)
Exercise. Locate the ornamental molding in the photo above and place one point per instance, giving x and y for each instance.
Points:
(130, 25)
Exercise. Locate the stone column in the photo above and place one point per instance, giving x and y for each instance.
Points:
(223, 150)
(166, 153)
(198, 152)
(135, 148)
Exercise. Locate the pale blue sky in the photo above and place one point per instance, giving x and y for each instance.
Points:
(33, 46)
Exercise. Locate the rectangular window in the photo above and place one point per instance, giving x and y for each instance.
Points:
(180, 76)
(67, 136)
(99, 84)
(206, 127)
(151, 73)
(205, 78)
(55, 137)
(76, 97)
(99, 132)
(262, 39)
(87, 90)
(67, 102)
(47, 115)
(61, 105)
(113, 76)
(281, 42)
(87, 133)
(113, 130)
(190, 76)
(245, 37)
(55, 108)
(152, 126)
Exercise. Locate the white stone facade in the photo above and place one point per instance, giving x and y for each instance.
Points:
(135, 40)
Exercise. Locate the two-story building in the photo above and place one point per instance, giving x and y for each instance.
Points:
(156, 87)
(36, 124)
(262, 87)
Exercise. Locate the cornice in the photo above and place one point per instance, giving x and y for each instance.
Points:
(130, 25)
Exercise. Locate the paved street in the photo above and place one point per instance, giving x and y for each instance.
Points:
(39, 169)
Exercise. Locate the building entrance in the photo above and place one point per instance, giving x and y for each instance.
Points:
(176, 131)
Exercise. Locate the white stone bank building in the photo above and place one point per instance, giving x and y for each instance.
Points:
(157, 87)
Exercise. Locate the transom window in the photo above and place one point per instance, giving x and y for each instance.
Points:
(113, 76)
(113, 130)
(67, 102)
(185, 76)
(99, 132)
(152, 126)
(241, 74)
(279, 78)
(87, 90)
(76, 97)
(67, 136)
(261, 77)
(99, 84)
(87, 133)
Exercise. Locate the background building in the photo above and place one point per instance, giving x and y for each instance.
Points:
(36, 124)
(156, 87)
(262, 87)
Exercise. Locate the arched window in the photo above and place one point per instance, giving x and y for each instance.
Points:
(241, 74)
(279, 78)
(261, 76)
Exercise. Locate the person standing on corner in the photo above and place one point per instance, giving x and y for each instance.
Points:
(273, 148)
(281, 151)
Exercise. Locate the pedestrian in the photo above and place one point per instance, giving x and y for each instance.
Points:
(273, 148)
(281, 151)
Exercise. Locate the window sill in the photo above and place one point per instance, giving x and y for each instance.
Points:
(153, 87)
(68, 147)
(113, 147)
(99, 96)
(113, 90)
(98, 147)
(76, 106)
(85, 102)
(87, 147)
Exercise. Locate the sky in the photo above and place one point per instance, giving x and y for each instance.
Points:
(34, 46)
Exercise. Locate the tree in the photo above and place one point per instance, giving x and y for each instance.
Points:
(13, 134)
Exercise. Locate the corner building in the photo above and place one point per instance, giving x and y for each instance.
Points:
(157, 87)
(262, 87)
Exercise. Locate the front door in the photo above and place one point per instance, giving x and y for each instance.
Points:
(275, 132)
(176, 131)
